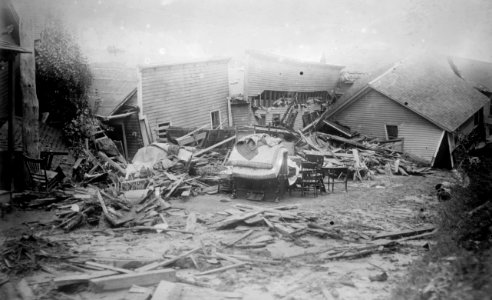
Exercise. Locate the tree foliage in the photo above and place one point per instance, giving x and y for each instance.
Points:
(63, 79)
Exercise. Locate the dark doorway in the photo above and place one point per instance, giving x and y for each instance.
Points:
(443, 157)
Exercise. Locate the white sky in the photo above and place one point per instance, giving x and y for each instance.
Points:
(348, 32)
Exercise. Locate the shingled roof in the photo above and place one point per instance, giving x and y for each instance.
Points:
(426, 85)
(112, 84)
(49, 137)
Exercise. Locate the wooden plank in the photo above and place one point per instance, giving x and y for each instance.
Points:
(242, 237)
(235, 219)
(124, 281)
(111, 162)
(156, 265)
(404, 233)
(220, 269)
(120, 270)
(81, 278)
(168, 291)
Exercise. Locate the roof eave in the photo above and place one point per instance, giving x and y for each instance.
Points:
(128, 97)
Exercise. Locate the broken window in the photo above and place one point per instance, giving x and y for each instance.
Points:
(215, 119)
(391, 132)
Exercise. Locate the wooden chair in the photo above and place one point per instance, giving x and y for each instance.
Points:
(311, 178)
(39, 176)
(336, 175)
(319, 161)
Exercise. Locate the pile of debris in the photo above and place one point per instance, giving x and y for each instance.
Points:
(28, 252)
(365, 157)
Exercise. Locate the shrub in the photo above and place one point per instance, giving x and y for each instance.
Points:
(63, 79)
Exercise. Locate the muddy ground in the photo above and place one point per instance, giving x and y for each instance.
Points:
(299, 269)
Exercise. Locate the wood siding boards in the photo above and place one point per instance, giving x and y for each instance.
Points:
(185, 94)
(278, 74)
(241, 114)
(369, 114)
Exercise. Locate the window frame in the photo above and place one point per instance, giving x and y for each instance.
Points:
(387, 132)
(212, 120)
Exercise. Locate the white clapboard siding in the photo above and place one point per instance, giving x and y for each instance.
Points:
(241, 115)
(185, 94)
(372, 111)
(276, 74)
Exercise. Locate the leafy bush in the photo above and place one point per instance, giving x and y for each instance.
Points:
(63, 79)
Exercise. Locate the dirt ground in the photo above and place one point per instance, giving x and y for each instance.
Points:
(302, 268)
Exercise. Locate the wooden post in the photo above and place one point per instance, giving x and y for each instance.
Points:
(11, 121)
(30, 105)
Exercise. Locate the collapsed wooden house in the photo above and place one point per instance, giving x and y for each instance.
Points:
(420, 100)
(191, 94)
(271, 82)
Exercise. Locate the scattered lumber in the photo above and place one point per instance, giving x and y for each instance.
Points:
(127, 280)
(221, 269)
(405, 233)
(156, 265)
(236, 219)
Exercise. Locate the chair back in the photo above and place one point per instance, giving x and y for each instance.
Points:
(308, 170)
(37, 169)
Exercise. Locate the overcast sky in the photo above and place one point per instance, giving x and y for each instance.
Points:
(347, 32)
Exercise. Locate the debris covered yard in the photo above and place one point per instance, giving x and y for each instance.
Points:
(191, 149)
(336, 246)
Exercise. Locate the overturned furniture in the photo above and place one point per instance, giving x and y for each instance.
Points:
(259, 167)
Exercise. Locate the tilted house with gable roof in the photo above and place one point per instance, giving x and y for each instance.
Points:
(419, 99)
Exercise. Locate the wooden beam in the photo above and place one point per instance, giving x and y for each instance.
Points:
(221, 269)
(117, 282)
(111, 162)
(214, 146)
(404, 233)
(120, 270)
(155, 265)
(30, 104)
(125, 145)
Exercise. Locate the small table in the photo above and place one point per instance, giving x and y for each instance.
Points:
(333, 173)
